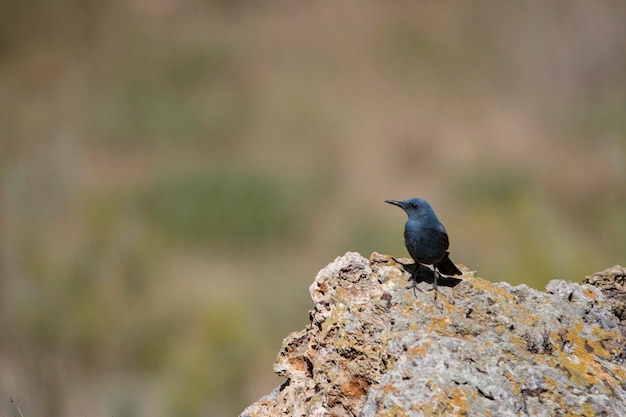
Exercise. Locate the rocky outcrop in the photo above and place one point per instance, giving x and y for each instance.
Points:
(377, 348)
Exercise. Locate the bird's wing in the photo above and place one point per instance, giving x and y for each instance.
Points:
(444, 234)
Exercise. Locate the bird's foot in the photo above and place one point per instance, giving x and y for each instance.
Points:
(413, 287)
(436, 302)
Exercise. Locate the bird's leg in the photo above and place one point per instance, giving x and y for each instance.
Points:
(435, 282)
(412, 278)
(435, 273)
(414, 286)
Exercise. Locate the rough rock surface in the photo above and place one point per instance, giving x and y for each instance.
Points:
(612, 282)
(373, 348)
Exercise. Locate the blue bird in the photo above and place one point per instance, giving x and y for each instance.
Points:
(426, 238)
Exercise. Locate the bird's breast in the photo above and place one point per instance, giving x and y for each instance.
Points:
(426, 245)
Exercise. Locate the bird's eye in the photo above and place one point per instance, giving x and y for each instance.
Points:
(413, 205)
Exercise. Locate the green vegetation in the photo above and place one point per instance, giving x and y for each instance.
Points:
(234, 208)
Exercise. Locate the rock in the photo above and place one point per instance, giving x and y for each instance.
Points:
(612, 282)
(375, 347)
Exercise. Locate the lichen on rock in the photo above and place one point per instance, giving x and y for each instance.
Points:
(375, 347)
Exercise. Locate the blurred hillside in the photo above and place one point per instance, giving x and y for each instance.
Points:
(174, 174)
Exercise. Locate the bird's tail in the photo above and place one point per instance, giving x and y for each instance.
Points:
(447, 267)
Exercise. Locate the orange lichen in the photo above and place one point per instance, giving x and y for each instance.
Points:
(583, 369)
(439, 323)
(420, 350)
(390, 388)
(442, 403)
(396, 411)
(356, 387)
(530, 319)
(588, 292)
(516, 388)
(299, 364)
(458, 402)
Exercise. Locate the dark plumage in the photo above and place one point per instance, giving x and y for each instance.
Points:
(425, 237)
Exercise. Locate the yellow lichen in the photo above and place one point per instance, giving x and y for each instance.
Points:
(588, 410)
(487, 286)
(458, 401)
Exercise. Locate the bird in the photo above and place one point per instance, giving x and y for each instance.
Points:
(425, 237)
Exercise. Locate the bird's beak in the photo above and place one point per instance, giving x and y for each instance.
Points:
(395, 203)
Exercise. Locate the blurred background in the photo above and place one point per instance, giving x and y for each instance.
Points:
(173, 174)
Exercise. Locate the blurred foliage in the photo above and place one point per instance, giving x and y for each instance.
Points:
(191, 93)
(499, 187)
(214, 364)
(606, 119)
(366, 235)
(227, 207)
(173, 175)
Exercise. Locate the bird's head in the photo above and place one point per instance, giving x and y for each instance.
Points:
(415, 208)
